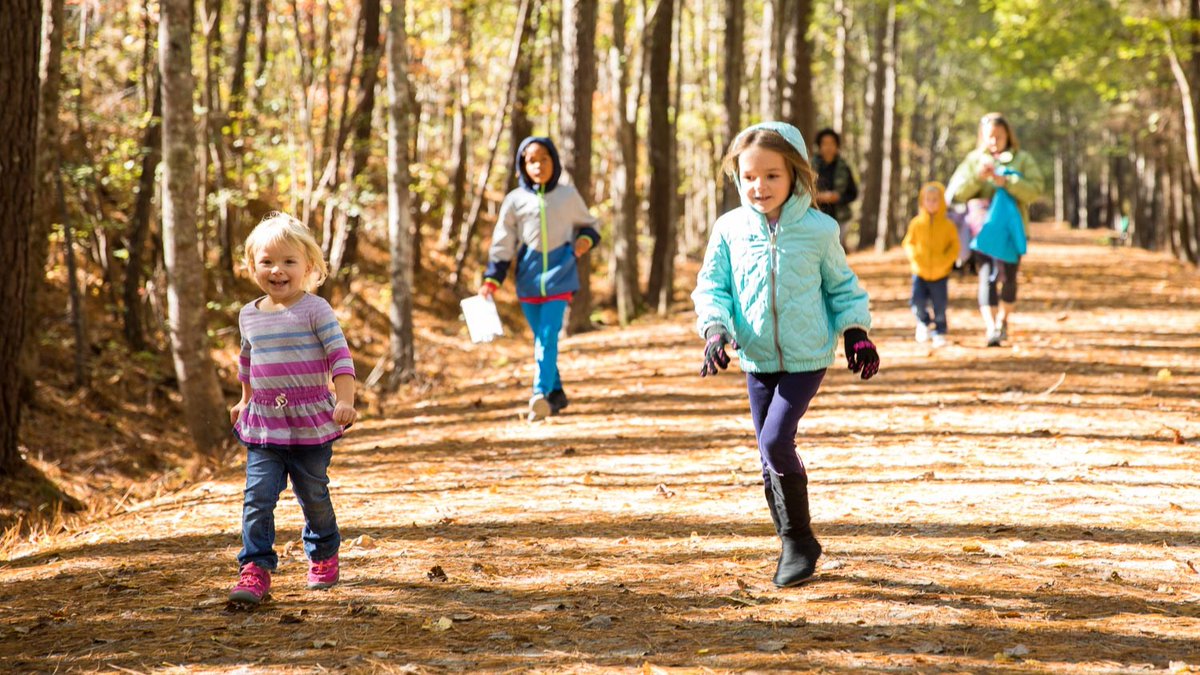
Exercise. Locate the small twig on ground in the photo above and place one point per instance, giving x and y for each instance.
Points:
(1061, 378)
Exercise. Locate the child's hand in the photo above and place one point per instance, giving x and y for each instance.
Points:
(861, 355)
(344, 414)
(487, 290)
(715, 356)
(235, 412)
(582, 246)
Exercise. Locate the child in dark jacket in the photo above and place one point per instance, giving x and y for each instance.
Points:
(543, 227)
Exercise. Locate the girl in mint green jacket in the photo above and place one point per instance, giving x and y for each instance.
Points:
(775, 285)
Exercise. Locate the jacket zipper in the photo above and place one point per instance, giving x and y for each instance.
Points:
(545, 237)
(774, 264)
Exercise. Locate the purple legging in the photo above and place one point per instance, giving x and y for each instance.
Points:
(777, 402)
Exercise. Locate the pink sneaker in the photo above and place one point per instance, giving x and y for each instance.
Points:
(323, 574)
(253, 586)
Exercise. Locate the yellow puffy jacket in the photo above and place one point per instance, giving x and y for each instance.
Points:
(932, 240)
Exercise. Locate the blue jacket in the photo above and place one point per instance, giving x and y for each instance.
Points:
(536, 229)
(785, 297)
(1003, 233)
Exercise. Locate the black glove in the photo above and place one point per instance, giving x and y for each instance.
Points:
(715, 357)
(861, 356)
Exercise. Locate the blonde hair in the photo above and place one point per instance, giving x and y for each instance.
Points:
(768, 139)
(278, 227)
(996, 119)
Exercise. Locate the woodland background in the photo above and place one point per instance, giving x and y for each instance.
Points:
(141, 140)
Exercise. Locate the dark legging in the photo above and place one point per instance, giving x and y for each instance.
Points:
(777, 402)
(995, 274)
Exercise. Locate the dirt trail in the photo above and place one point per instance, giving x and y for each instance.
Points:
(1034, 508)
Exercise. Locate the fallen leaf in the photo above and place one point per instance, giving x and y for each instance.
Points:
(290, 618)
(928, 648)
(1182, 667)
(463, 616)
(549, 607)
(972, 548)
(663, 491)
(322, 644)
(772, 646)
(1017, 651)
(363, 541)
(1191, 566)
(1114, 577)
(600, 621)
(441, 624)
(481, 568)
(1164, 375)
(436, 573)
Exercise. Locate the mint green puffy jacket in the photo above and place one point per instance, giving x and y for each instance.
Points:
(786, 297)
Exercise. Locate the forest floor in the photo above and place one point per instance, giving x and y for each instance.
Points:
(1033, 508)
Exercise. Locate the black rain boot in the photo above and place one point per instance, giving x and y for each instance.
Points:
(770, 494)
(800, 548)
(558, 401)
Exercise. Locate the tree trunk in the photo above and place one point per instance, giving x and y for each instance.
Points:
(661, 134)
(625, 197)
(262, 20)
(735, 57)
(803, 112)
(203, 407)
(139, 225)
(575, 126)
(519, 121)
(20, 33)
(343, 253)
(472, 221)
(400, 226)
(840, 12)
(770, 102)
(77, 324)
(891, 134)
(50, 93)
(874, 179)
(452, 217)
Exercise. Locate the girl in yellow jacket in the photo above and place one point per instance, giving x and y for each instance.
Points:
(932, 247)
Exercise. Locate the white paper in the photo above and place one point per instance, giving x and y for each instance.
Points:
(483, 321)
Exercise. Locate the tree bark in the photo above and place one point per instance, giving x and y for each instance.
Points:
(400, 225)
(770, 102)
(735, 57)
(519, 121)
(452, 217)
(575, 127)
(20, 34)
(343, 253)
(203, 407)
(472, 221)
(800, 97)
(50, 92)
(840, 60)
(661, 133)
(139, 225)
(625, 197)
(874, 180)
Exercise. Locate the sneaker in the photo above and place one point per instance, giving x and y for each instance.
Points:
(539, 408)
(253, 586)
(558, 401)
(922, 333)
(1003, 332)
(939, 340)
(994, 339)
(323, 574)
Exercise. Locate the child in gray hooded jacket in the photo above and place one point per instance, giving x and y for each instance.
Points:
(543, 227)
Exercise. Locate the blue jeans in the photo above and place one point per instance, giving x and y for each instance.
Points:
(926, 293)
(267, 472)
(777, 402)
(546, 320)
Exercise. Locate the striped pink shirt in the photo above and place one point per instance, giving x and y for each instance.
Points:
(289, 357)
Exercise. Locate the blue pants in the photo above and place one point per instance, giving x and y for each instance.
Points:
(546, 320)
(267, 472)
(926, 293)
(777, 402)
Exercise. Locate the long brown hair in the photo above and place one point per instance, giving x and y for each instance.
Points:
(997, 119)
(767, 139)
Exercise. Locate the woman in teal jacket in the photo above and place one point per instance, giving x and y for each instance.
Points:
(997, 163)
(775, 284)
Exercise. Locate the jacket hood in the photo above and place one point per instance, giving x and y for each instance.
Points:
(941, 190)
(523, 177)
(800, 199)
